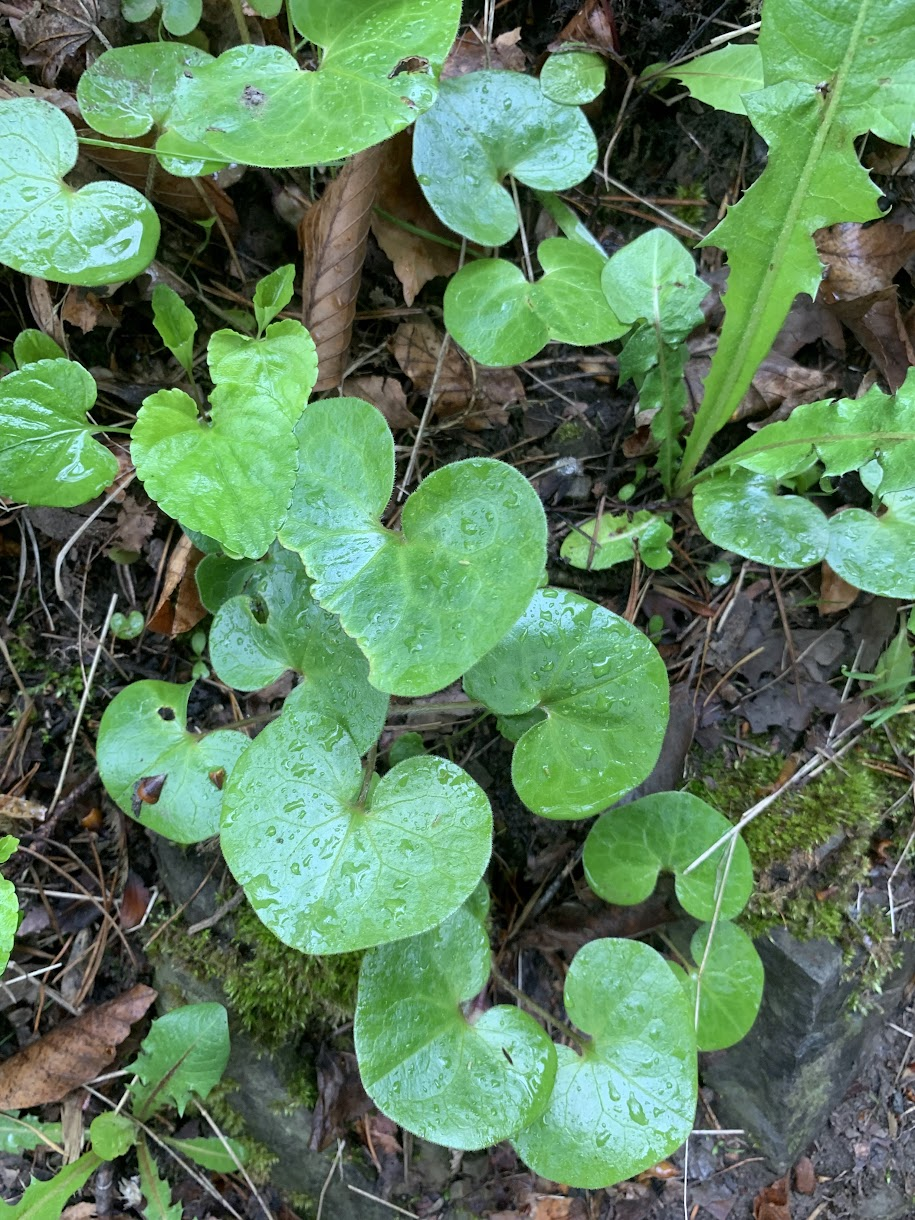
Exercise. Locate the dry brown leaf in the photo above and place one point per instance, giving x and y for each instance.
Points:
(836, 594)
(861, 259)
(464, 388)
(805, 1178)
(135, 524)
(72, 1053)
(79, 1211)
(187, 610)
(416, 259)
(876, 322)
(663, 1170)
(134, 901)
(780, 384)
(593, 24)
(18, 809)
(469, 54)
(52, 31)
(44, 310)
(84, 309)
(333, 235)
(772, 1202)
(385, 393)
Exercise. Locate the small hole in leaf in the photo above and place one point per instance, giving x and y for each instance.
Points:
(167, 713)
(259, 610)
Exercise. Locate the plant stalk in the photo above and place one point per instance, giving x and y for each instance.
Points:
(578, 1040)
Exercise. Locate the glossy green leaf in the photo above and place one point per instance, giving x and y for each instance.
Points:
(282, 364)
(448, 1072)
(573, 77)
(112, 1135)
(484, 126)
(722, 78)
(272, 294)
(266, 8)
(178, 16)
(9, 904)
(729, 988)
(211, 1153)
(29, 346)
(654, 279)
(426, 603)
(273, 625)
(219, 578)
(603, 688)
(407, 745)
(102, 233)
(138, 10)
(46, 1200)
(48, 454)
(184, 1055)
(853, 75)
(743, 512)
(876, 553)
(23, 1134)
(501, 318)
(327, 875)
(143, 735)
(156, 1190)
(627, 848)
(377, 71)
(629, 1099)
(176, 325)
(617, 539)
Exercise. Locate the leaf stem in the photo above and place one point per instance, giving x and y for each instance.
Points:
(367, 776)
(240, 21)
(568, 221)
(578, 1040)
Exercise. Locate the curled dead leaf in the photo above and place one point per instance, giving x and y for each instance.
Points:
(174, 618)
(385, 393)
(469, 53)
(592, 25)
(51, 33)
(836, 594)
(772, 1202)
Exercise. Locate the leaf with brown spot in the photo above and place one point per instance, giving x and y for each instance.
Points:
(333, 237)
(174, 618)
(385, 393)
(71, 1054)
(54, 31)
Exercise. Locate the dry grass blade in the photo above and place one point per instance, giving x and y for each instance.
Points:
(332, 235)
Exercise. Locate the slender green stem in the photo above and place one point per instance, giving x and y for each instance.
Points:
(240, 21)
(569, 223)
(135, 148)
(577, 1039)
(367, 776)
(460, 705)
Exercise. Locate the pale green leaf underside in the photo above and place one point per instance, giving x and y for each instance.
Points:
(654, 278)
(210, 1152)
(48, 454)
(617, 538)
(22, 1135)
(731, 985)
(630, 1099)
(135, 742)
(627, 848)
(175, 323)
(502, 319)
(484, 126)
(603, 688)
(328, 877)
(102, 233)
(184, 1054)
(273, 625)
(721, 78)
(426, 603)
(573, 77)
(465, 1084)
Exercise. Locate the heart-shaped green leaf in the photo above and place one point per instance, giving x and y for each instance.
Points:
(484, 126)
(30, 346)
(184, 1054)
(729, 988)
(376, 73)
(219, 578)
(424, 604)
(170, 780)
(629, 1099)
(465, 1079)
(654, 278)
(48, 454)
(617, 538)
(178, 16)
(102, 233)
(627, 848)
(272, 294)
(328, 872)
(573, 77)
(282, 365)
(603, 688)
(112, 1135)
(501, 318)
(275, 625)
(743, 512)
(875, 553)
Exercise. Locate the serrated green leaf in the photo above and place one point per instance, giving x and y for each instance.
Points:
(327, 875)
(729, 988)
(743, 512)
(377, 71)
(273, 293)
(501, 318)
(102, 233)
(627, 848)
(46, 1200)
(281, 365)
(23, 1134)
(184, 1055)
(603, 688)
(176, 325)
(484, 126)
(465, 1081)
(156, 1190)
(211, 1153)
(876, 553)
(273, 625)
(855, 75)
(629, 1099)
(136, 742)
(112, 1135)
(617, 538)
(573, 77)
(30, 346)
(426, 603)
(721, 78)
(48, 454)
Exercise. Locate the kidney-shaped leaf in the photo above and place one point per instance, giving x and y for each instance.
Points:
(573, 77)
(730, 987)
(274, 625)
(458, 1079)
(603, 688)
(424, 604)
(104, 232)
(627, 848)
(617, 538)
(629, 1099)
(158, 772)
(185, 1053)
(326, 874)
(501, 318)
(486, 125)
(377, 72)
(48, 454)
(128, 91)
(875, 553)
